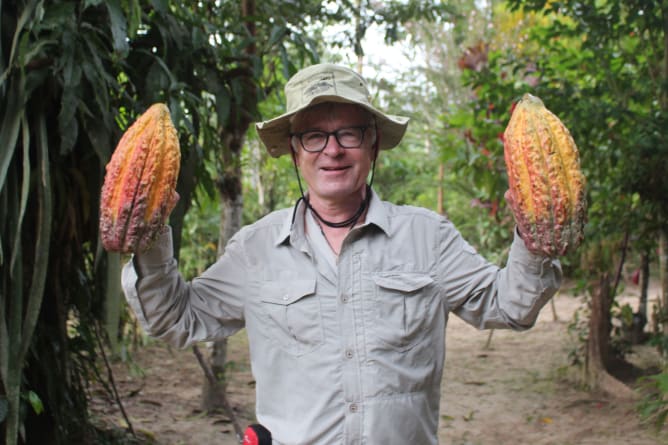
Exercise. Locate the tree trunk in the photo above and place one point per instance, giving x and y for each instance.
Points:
(230, 223)
(214, 398)
(597, 376)
(599, 325)
(663, 273)
(185, 188)
(644, 284)
(233, 135)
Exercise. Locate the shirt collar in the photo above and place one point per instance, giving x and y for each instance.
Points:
(377, 214)
(293, 225)
(294, 232)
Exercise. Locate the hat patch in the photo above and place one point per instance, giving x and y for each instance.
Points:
(318, 85)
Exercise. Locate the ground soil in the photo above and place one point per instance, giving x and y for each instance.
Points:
(510, 388)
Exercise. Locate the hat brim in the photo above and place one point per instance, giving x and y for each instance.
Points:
(275, 133)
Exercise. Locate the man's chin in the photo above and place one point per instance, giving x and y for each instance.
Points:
(342, 193)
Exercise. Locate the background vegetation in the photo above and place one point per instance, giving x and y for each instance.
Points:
(75, 73)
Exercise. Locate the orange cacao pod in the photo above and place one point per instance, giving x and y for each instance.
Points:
(139, 190)
(546, 188)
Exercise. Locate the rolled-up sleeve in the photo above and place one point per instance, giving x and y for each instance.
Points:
(487, 296)
(177, 311)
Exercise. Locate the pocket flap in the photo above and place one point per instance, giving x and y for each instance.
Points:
(402, 281)
(286, 292)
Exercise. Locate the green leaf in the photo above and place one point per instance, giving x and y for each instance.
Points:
(58, 15)
(134, 18)
(119, 26)
(661, 382)
(163, 76)
(95, 73)
(32, 51)
(67, 123)
(99, 136)
(35, 402)
(277, 33)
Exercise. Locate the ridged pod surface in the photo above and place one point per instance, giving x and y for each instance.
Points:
(139, 190)
(546, 186)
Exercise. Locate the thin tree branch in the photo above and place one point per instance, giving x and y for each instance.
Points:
(215, 385)
(112, 382)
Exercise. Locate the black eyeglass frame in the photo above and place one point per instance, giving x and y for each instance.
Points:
(335, 133)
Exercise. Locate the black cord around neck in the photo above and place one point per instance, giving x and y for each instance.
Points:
(348, 222)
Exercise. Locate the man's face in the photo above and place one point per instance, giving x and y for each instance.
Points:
(335, 174)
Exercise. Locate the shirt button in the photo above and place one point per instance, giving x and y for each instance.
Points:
(353, 407)
(344, 298)
(349, 353)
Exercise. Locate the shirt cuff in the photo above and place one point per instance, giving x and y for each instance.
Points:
(129, 283)
(520, 252)
(160, 253)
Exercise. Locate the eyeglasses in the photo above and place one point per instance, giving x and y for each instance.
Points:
(315, 141)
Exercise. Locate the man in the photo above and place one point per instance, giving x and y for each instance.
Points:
(345, 298)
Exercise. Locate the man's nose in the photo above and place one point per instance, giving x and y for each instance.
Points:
(332, 147)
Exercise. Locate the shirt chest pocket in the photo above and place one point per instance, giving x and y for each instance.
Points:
(292, 315)
(401, 308)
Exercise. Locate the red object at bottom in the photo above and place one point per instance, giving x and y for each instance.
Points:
(250, 438)
(257, 435)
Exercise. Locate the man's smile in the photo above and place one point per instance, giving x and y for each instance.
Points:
(335, 168)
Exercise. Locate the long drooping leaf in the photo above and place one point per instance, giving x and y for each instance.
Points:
(11, 289)
(27, 14)
(25, 188)
(6, 198)
(43, 240)
(9, 130)
(4, 334)
(11, 367)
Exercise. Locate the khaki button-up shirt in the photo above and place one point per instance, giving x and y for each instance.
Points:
(349, 351)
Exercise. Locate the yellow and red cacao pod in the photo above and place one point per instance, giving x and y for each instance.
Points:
(139, 190)
(546, 188)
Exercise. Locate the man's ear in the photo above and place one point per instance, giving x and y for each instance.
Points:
(293, 153)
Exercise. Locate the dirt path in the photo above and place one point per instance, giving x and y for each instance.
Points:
(511, 393)
(516, 392)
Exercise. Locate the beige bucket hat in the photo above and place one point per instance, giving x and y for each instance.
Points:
(326, 83)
